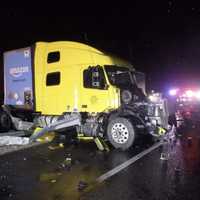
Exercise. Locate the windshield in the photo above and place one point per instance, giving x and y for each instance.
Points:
(119, 76)
(140, 80)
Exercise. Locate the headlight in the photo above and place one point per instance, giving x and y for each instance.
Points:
(153, 98)
(126, 96)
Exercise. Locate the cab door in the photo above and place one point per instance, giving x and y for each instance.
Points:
(52, 84)
(95, 93)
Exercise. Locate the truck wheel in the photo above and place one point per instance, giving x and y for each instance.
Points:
(121, 133)
(5, 122)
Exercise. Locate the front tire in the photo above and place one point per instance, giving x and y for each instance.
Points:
(121, 133)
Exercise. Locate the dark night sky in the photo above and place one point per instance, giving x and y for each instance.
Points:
(160, 38)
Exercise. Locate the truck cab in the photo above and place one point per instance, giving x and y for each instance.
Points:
(69, 84)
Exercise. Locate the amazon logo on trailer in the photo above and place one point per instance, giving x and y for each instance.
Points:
(18, 71)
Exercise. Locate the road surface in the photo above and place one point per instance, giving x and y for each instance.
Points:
(70, 173)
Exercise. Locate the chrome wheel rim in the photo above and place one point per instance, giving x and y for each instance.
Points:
(120, 133)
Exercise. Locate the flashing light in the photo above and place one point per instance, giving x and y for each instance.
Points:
(189, 93)
(185, 96)
(154, 97)
(184, 99)
(197, 95)
(173, 92)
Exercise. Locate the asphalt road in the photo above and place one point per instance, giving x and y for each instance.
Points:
(69, 173)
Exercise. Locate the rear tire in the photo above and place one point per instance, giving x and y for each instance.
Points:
(5, 122)
(121, 133)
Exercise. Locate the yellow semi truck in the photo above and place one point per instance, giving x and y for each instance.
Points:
(69, 85)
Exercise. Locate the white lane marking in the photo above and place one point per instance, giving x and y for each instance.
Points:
(122, 166)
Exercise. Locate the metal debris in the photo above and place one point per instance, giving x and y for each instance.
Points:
(82, 185)
(59, 146)
(101, 145)
(66, 164)
(48, 137)
(164, 156)
(68, 161)
(168, 143)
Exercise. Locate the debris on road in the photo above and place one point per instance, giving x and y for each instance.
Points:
(101, 145)
(13, 140)
(49, 177)
(47, 137)
(67, 162)
(59, 146)
(82, 185)
(53, 181)
(189, 141)
(168, 143)
(164, 156)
